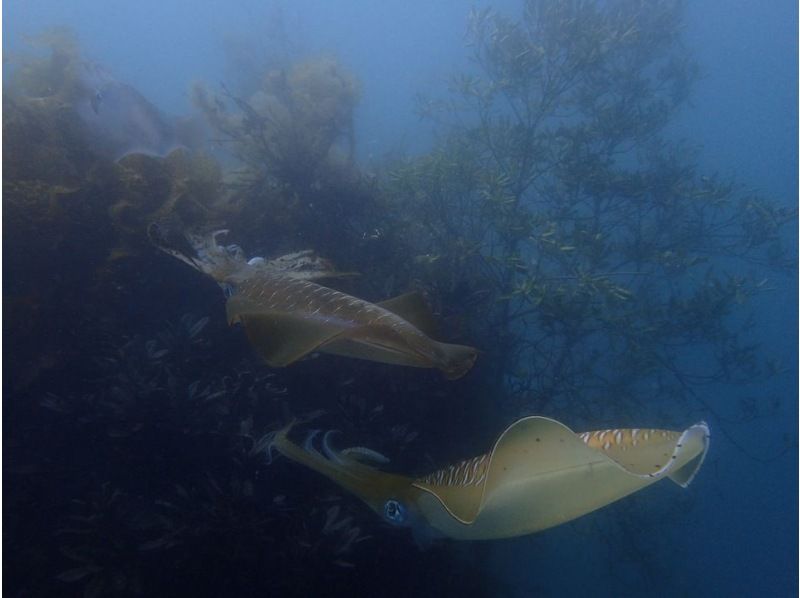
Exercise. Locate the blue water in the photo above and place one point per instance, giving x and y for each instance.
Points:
(734, 531)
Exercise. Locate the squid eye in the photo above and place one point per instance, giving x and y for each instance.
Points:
(395, 512)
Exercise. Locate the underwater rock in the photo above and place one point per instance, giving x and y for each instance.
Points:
(121, 121)
(116, 119)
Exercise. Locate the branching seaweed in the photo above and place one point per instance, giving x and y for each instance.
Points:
(602, 263)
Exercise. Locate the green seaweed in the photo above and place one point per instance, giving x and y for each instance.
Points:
(583, 245)
(286, 131)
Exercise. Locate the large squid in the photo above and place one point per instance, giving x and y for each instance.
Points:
(287, 315)
(538, 474)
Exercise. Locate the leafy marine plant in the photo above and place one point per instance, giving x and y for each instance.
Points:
(199, 494)
(71, 208)
(601, 262)
(55, 73)
(287, 129)
(99, 538)
(293, 178)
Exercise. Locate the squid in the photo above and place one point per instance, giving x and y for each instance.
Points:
(286, 315)
(539, 474)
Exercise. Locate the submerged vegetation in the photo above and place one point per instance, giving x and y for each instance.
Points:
(292, 142)
(285, 132)
(590, 254)
(555, 224)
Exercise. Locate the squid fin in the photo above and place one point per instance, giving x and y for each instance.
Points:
(458, 360)
(280, 338)
(413, 308)
(541, 454)
(684, 475)
(652, 452)
(349, 346)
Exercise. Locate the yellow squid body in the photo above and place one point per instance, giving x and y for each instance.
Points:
(538, 474)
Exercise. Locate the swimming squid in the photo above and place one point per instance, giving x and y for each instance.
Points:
(286, 315)
(538, 474)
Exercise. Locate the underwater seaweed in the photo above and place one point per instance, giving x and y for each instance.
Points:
(74, 216)
(287, 129)
(590, 256)
(293, 178)
(151, 472)
(98, 538)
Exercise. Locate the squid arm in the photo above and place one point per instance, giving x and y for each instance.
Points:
(538, 474)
